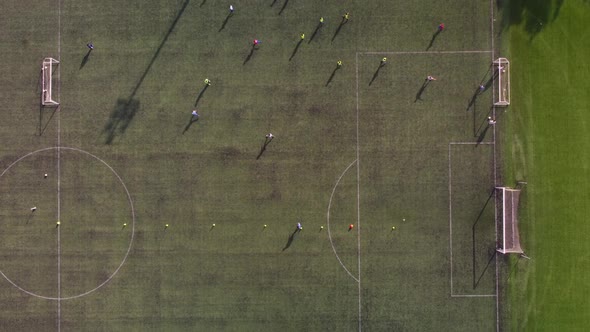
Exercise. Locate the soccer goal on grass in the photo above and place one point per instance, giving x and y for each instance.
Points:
(510, 241)
(502, 95)
(47, 94)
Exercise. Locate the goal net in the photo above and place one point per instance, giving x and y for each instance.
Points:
(48, 97)
(502, 95)
(510, 241)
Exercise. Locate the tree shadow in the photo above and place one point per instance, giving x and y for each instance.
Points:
(376, 74)
(433, 39)
(315, 32)
(201, 94)
(120, 118)
(332, 75)
(250, 54)
(192, 120)
(534, 14)
(225, 21)
(125, 109)
(290, 239)
(284, 6)
(338, 30)
(295, 49)
(421, 90)
(85, 59)
(42, 127)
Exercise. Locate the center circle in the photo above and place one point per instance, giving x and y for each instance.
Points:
(91, 225)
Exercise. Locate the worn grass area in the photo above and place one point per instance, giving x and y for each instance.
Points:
(385, 133)
(547, 146)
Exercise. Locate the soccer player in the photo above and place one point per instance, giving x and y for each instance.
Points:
(231, 9)
(90, 46)
(491, 121)
(195, 115)
(339, 64)
(441, 27)
(430, 78)
(207, 81)
(270, 136)
(299, 227)
(321, 20)
(345, 17)
(383, 61)
(302, 36)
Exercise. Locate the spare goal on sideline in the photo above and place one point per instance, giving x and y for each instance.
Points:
(510, 241)
(47, 95)
(502, 95)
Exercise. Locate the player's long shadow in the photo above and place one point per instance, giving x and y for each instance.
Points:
(433, 39)
(315, 32)
(225, 21)
(295, 49)
(201, 94)
(85, 59)
(263, 148)
(421, 90)
(332, 76)
(203, 3)
(476, 278)
(42, 127)
(339, 28)
(284, 6)
(375, 74)
(125, 109)
(273, 3)
(190, 123)
(252, 50)
(290, 239)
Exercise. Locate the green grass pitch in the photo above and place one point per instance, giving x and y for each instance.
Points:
(375, 147)
(547, 146)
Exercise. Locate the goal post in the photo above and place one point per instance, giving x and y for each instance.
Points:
(510, 237)
(502, 72)
(48, 97)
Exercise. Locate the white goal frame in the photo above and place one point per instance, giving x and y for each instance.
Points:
(47, 95)
(510, 235)
(502, 71)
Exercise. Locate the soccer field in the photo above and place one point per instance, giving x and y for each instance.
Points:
(167, 222)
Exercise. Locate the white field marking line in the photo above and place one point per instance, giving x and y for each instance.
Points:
(58, 167)
(132, 226)
(495, 170)
(451, 219)
(430, 52)
(358, 190)
(328, 222)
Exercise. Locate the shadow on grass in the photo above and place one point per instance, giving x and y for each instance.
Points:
(290, 239)
(315, 32)
(252, 50)
(85, 59)
(332, 75)
(201, 94)
(433, 39)
(190, 123)
(225, 21)
(284, 6)
(296, 49)
(477, 277)
(421, 90)
(263, 148)
(125, 109)
(44, 123)
(339, 28)
(534, 14)
(376, 74)
(120, 119)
